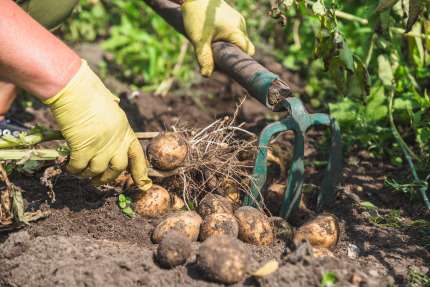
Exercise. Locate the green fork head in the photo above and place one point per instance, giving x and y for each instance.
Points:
(298, 121)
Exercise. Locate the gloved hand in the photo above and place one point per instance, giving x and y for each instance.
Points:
(97, 131)
(207, 21)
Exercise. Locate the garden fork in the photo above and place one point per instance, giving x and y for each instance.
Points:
(276, 95)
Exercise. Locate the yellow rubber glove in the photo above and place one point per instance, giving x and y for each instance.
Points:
(207, 21)
(97, 131)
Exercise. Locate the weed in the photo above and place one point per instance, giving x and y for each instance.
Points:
(328, 279)
(124, 203)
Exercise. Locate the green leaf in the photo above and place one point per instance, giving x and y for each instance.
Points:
(346, 56)
(30, 166)
(385, 71)
(368, 205)
(319, 9)
(345, 111)
(376, 108)
(128, 211)
(122, 198)
(122, 204)
(385, 4)
(128, 200)
(328, 279)
(416, 7)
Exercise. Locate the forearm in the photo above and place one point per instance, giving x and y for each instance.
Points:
(30, 56)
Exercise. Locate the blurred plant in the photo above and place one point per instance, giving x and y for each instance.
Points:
(142, 47)
(356, 43)
(417, 278)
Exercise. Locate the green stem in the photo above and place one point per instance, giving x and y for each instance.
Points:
(407, 153)
(36, 154)
(34, 137)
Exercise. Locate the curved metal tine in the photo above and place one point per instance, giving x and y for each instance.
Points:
(293, 191)
(334, 168)
(331, 176)
(260, 169)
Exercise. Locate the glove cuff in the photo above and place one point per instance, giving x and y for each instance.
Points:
(83, 75)
(84, 69)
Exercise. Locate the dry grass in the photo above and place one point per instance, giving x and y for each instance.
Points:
(220, 160)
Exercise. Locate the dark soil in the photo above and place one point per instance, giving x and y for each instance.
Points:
(87, 241)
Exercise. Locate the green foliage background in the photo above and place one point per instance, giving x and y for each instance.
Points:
(352, 63)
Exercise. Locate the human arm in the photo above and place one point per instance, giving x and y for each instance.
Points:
(101, 140)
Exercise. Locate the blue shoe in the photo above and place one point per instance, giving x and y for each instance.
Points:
(12, 127)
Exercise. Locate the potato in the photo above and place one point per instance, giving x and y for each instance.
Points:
(174, 249)
(214, 203)
(229, 190)
(152, 203)
(177, 202)
(223, 259)
(322, 231)
(274, 197)
(219, 224)
(321, 252)
(282, 229)
(187, 223)
(254, 226)
(167, 151)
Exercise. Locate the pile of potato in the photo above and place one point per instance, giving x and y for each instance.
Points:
(221, 226)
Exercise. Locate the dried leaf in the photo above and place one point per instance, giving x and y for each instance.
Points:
(267, 269)
(416, 7)
(48, 178)
(318, 9)
(385, 71)
(18, 205)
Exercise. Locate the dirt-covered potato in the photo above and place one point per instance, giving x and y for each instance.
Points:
(219, 224)
(167, 151)
(229, 190)
(152, 203)
(187, 222)
(273, 197)
(282, 229)
(321, 252)
(214, 203)
(223, 259)
(173, 250)
(177, 202)
(322, 231)
(254, 226)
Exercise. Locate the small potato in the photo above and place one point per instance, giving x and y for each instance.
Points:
(321, 252)
(229, 190)
(322, 231)
(167, 151)
(187, 223)
(274, 197)
(174, 249)
(219, 224)
(152, 203)
(177, 202)
(254, 226)
(223, 259)
(282, 229)
(214, 203)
